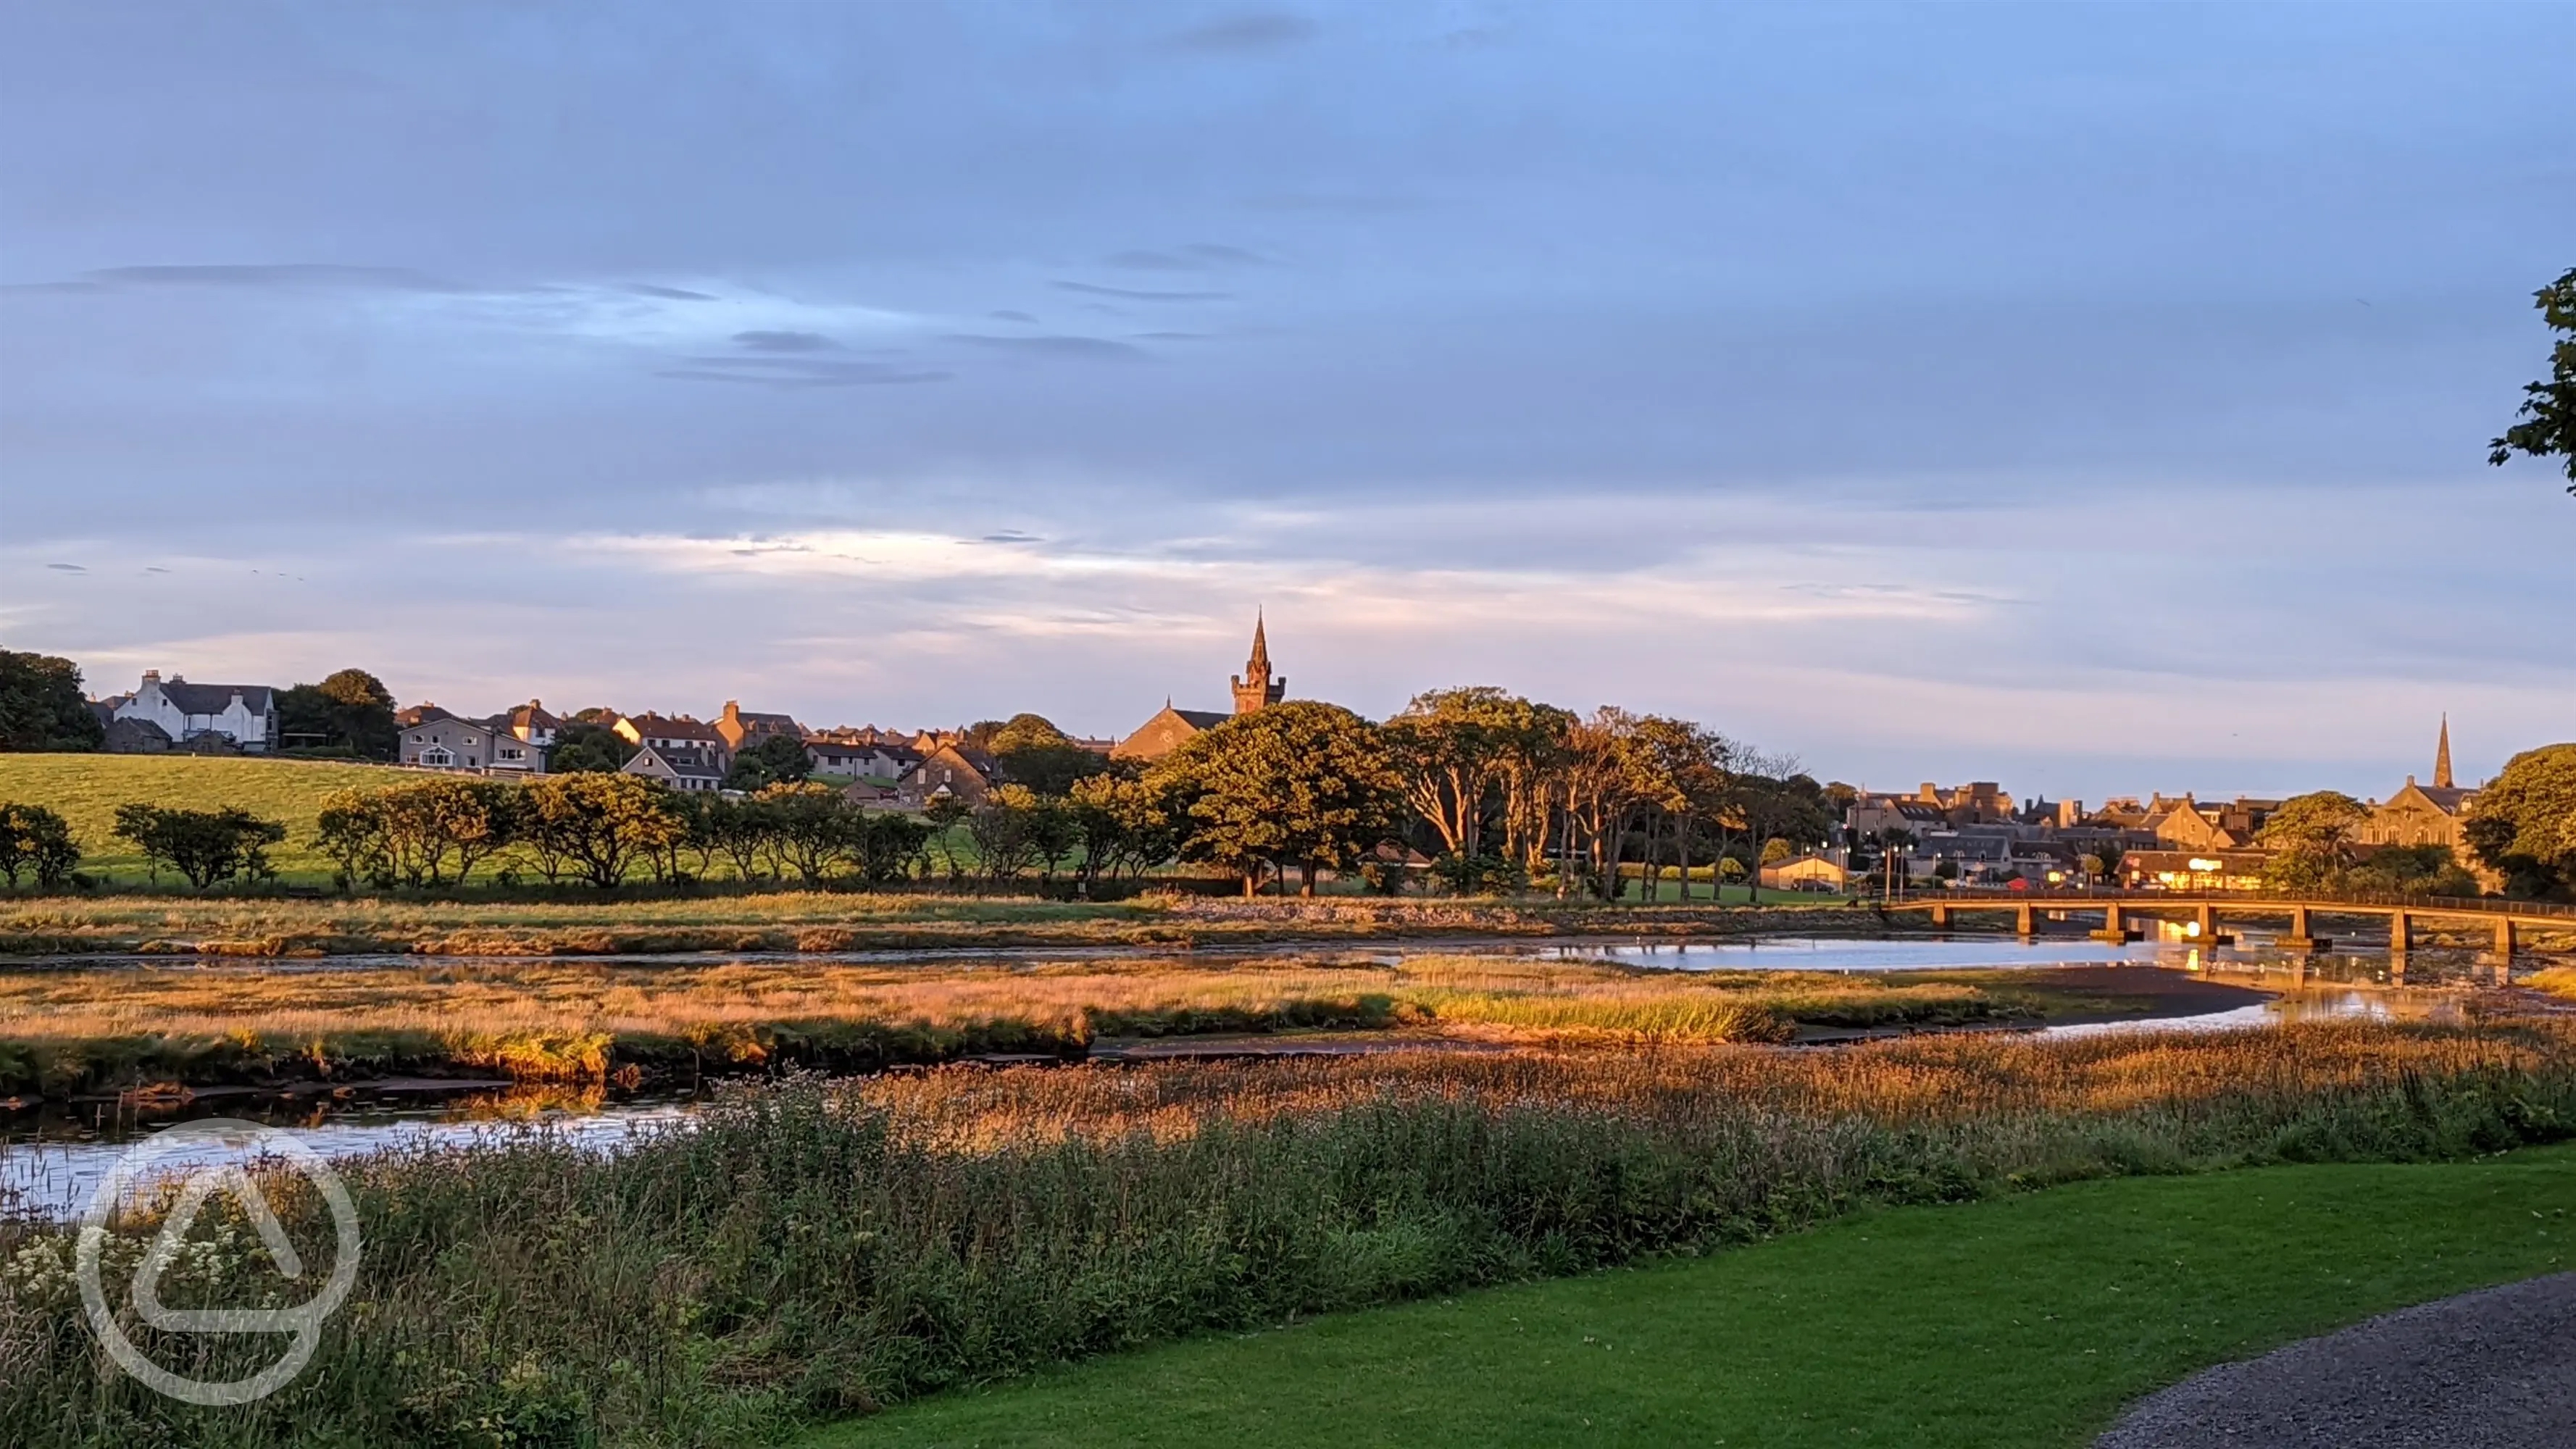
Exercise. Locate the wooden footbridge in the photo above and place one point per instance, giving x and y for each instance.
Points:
(2207, 911)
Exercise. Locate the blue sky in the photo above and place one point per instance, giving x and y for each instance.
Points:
(2088, 397)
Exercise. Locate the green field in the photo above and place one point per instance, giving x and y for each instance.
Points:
(86, 789)
(2027, 1320)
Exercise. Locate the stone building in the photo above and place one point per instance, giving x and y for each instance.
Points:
(1255, 687)
(2425, 814)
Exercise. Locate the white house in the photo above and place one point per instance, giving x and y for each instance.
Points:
(679, 767)
(246, 714)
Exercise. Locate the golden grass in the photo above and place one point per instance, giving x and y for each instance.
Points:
(570, 1019)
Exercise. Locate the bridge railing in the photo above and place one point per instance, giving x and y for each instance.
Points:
(2484, 905)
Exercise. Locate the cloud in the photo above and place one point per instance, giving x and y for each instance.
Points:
(277, 275)
(67, 568)
(1093, 347)
(785, 341)
(1198, 257)
(1253, 30)
(1174, 336)
(1007, 316)
(668, 294)
(1133, 294)
(796, 372)
(1010, 535)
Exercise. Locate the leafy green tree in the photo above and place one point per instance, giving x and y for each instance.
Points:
(350, 831)
(740, 828)
(35, 839)
(943, 813)
(594, 825)
(777, 759)
(885, 846)
(1122, 824)
(2548, 410)
(42, 706)
(349, 711)
(588, 748)
(810, 829)
(204, 846)
(1303, 783)
(2524, 823)
(2311, 840)
(2412, 870)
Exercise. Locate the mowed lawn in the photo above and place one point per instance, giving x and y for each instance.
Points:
(2028, 1320)
(86, 789)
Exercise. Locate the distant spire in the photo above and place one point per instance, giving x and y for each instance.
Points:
(1256, 686)
(1258, 666)
(2442, 756)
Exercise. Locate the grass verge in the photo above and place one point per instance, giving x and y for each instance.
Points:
(807, 1253)
(2021, 1321)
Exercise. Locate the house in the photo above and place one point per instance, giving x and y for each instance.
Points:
(1255, 688)
(1809, 872)
(741, 731)
(861, 762)
(430, 738)
(951, 772)
(663, 732)
(679, 767)
(244, 714)
(2186, 826)
(2424, 814)
(2186, 870)
(1870, 816)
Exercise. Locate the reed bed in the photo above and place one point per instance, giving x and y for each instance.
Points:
(810, 1251)
(63, 1033)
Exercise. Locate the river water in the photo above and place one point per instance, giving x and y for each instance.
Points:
(53, 1158)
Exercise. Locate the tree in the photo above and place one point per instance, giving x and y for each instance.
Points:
(1033, 752)
(204, 846)
(594, 824)
(351, 832)
(35, 839)
(1121, 824)
(350, 711)
(2549, 408)
(777, 759)
(2310, 838)
(2524, 822)
(1305, 783)
(740, 829)
(942, 814)
(588, 748)
(810, 828)
(42, 707)
(1004, 829)
(884, 845)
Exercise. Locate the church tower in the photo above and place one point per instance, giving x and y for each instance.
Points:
(2441, 757)
(1255, 687)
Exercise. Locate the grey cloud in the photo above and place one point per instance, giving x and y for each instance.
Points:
(67, 568)
(1134, 294)
(1010, 535)
(668, 294)
(785, 341)
(1011, 316)
(1173, 336)
(1092, 347)
(1199, 257)
(1254, 30)
(796, 372)
(293, 274)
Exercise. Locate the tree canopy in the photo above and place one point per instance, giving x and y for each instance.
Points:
(42, 706)
(350, 710)
(2548, 426)
(1303, 783)
(588, 748)
(2524, 822)
(2310, 837)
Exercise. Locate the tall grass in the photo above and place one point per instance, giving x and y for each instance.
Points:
(67, 1032)
(809, 1252)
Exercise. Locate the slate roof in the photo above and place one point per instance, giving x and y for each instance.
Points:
(216, 698)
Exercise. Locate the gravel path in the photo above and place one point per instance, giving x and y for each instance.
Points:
(2495, 1369)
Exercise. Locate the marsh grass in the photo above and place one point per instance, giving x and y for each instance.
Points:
(65, 1032)
(809, 1251)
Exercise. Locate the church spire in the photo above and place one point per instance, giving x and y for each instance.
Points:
(1256, 686)
(2442, 757)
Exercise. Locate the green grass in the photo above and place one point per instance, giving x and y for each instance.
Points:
(2027, 1320)
(86, 789)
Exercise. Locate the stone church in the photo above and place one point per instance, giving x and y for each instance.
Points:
(1253, 688)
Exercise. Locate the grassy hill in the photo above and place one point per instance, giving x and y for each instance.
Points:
(86, 789)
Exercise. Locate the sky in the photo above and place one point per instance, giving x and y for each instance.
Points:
(2086, 397)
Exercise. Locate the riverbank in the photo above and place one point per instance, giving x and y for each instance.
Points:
(802, 1253)
(832, 922)
(162, 1029)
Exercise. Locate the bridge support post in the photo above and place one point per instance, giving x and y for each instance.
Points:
(2025, 922)
(1940, 918)
(2114, 929)
(2504, 951)
(2400, 936)
(2299, 939)
(2209, 923)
